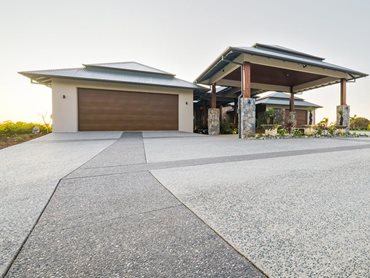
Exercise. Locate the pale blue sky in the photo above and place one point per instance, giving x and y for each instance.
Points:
(182, 37)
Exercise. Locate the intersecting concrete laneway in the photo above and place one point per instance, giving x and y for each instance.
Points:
(169, 204)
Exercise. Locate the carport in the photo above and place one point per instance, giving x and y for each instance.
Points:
(248, 71)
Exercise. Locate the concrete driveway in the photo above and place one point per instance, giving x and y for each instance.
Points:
(169, 204)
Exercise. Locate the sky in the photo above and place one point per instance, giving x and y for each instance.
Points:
(182, 37)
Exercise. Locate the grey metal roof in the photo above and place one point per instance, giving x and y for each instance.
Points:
(276, 95)
(276, 52)
(278, 48)
(130, 66)
(277, 98)
(109, 74)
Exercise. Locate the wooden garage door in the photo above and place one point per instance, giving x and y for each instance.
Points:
(118, 110)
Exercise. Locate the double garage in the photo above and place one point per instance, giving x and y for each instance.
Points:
(106, 110)
(124, 96)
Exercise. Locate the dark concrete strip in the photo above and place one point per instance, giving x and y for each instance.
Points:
(166, 243)
(127, 150)
(354, 139)
(174, 137)
(112, 170)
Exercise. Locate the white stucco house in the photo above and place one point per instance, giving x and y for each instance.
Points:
(117, 96)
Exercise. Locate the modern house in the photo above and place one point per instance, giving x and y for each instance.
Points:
(132, 96)
(118, 96)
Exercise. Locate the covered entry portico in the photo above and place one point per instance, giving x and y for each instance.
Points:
(249, 71)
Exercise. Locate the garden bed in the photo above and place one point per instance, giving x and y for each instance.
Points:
(15, 133)
(16, 139)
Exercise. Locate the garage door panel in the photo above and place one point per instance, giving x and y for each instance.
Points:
(119, 110)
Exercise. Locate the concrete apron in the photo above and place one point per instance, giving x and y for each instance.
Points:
(247, 117)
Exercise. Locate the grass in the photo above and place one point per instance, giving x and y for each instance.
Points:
(14, 133)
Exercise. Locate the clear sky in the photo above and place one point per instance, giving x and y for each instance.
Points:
(182, 37)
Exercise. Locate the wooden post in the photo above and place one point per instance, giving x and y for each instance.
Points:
(213, 96)
(343, 92)
(235, 118)
(247, 80)
(291, 102)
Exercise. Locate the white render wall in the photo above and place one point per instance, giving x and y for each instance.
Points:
(65, 110)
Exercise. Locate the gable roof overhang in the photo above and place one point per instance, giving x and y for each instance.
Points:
(275, 68)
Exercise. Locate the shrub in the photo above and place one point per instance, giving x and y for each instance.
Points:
(226, 128)
(359, 123)
(270, 115)
(368, 127)
(9, 128)
(282, 131)
(297, 132)
(332, 130)
(323, 124)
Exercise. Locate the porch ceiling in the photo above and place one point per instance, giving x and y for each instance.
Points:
(274, 76)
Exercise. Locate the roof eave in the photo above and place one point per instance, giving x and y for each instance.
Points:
(32, 77)
(201, 78)
(348, 71)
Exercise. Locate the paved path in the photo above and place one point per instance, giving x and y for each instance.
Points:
(180, 205)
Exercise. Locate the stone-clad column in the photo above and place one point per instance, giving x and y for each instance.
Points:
(247, 117)
(292, 119)
(213, 121)
(247, 106)
(343, 109)
(343, 116)
(213, 114)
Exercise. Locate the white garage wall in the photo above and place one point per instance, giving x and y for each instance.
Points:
(65, 110)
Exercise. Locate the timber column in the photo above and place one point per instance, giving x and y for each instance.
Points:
(213, 114)
(343, 109)
(247, 105)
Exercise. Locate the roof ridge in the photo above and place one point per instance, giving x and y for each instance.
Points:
(283, 49)
(111, 65)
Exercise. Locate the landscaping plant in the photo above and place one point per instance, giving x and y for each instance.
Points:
(270, 115)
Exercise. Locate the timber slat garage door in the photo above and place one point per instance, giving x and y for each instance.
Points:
(107, 110)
